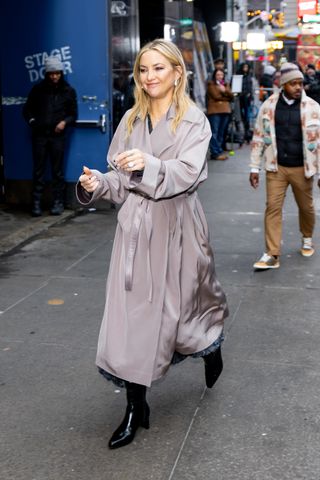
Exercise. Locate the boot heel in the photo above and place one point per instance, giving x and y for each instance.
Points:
(213, 367)
(137, 415)
(145, 424)
(145, 418)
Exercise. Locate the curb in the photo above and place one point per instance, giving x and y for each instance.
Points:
(24, 234)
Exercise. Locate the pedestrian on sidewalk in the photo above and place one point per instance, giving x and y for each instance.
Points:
(246, 98)
(266, 82)
(312, 83)
(163, 300)
(50, 108)
(286, 138)
(219, 96)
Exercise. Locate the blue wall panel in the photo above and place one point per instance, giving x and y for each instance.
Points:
(78, 32)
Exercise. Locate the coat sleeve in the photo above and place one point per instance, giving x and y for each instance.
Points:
(214, 92)
(257, 146)
(114, 184)
(167, 178)
(228, 95)
(71, 107)
(317, 106)
(28, 110)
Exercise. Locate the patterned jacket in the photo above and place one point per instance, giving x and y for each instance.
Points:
(264, 144)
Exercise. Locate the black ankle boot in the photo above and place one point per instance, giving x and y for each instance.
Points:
(36, 209)
(57, 208)
(213, 367)
(137, 415)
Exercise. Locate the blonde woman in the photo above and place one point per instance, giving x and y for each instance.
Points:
(163, 300)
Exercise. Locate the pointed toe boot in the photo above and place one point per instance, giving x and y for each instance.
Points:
(137, 415)
(213, 367)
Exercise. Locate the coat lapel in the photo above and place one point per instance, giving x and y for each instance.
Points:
(162, 137)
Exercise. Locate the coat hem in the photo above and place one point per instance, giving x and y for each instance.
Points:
(177, 358)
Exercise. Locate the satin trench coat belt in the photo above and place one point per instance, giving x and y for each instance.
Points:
(141, 210)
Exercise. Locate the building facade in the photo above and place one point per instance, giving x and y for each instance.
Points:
(98, 51)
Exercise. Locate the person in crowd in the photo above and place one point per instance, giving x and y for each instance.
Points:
(219, 96)
(219, 63)
(276, 81)
(246, 97)
(312, 83)
(163, 301)
(51, 107)
(266, 82)
(286, 137)
(190, 82)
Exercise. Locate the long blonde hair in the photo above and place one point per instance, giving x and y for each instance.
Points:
(180, 99)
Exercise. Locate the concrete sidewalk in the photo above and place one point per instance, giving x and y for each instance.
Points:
(17, 226)
(259, 422)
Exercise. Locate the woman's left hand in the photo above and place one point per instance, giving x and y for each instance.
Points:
(130, 160)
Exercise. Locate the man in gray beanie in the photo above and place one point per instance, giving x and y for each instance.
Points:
(53, 64)
(50, 108)
(286, 142)
(288, 72)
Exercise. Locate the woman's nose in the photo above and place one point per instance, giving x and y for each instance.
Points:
(150, 74)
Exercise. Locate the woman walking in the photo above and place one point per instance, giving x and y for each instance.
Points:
(163, 300)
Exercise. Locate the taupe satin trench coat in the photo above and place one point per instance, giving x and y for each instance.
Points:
(162, 293)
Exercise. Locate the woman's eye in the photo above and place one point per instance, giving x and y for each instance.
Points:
(142, 70)
(159, 68)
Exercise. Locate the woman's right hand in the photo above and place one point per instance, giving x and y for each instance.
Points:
(88, 181)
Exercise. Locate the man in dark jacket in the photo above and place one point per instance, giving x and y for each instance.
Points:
(312, 83)
(246, 97)
(50, 108)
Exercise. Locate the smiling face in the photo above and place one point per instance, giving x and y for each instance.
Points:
(219, 75)
(157, 75)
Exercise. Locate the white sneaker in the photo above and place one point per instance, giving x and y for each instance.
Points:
(266, 262)
(307, 249)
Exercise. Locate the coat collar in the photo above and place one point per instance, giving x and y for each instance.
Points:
(162, 137)
(188, 116)
(272, 101)
(304, 97)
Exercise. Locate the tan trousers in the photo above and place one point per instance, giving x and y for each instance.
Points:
(276, 188)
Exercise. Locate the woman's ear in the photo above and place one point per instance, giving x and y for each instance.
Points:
(179, 71)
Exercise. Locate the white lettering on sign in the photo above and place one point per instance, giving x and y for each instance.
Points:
(35, 63)
(118, 8)
(307, 5)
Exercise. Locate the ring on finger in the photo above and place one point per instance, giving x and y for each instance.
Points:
(130, 164)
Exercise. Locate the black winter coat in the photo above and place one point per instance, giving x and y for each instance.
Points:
(48, 104)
